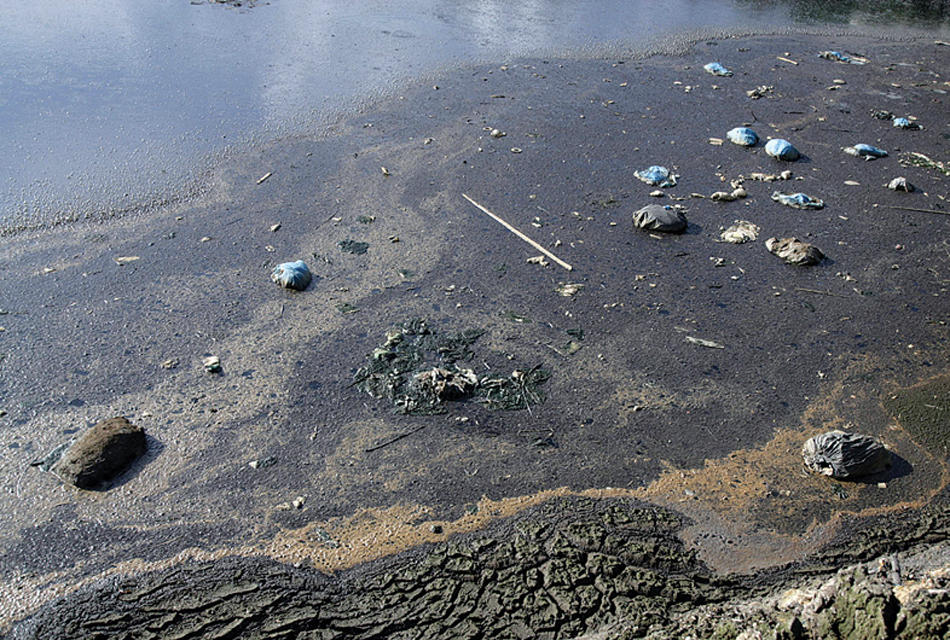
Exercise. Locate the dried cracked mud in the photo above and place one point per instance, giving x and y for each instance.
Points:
(659, 476)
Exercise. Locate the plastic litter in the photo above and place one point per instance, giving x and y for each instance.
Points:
(794, 251)
(743, 136)
(900, 184)
(882, 114)
(657, 176)
(797, 200)
(837, 56)
(740, 232)
(782, 150)
(292, 275)
(654, 217)
(904, 123)
(840, 454)
(865, 151)
(717, 69)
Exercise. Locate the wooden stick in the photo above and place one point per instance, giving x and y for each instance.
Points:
(787, 60)
(395, 439)
(824, 293)
(520, 235)
(891, 206)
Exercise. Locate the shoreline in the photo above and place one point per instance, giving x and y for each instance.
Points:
(288, 357)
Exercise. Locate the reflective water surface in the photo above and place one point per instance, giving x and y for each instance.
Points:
(109, 104)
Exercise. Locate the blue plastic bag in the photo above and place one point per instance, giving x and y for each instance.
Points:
(743, 136)
(657, 176)
(292, 275)
(781, 149)
(717, 69)
(904, 123)
(865, 151)
(797, 200)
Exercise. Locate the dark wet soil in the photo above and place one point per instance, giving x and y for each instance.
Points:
(639, 411)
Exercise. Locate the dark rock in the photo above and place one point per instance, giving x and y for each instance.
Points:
(654, 217)
(794, 251)
(101, 454)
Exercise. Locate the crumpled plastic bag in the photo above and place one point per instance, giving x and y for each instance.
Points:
(657, 176)
(292, 275)
(740, 232)
(837, 56)
(743, 136)
(781, 149)
(794, 251)
(840, 454)
(900, 184)
(904, 123)
(865, 151)
(654, 217)
(797, 200)
(717, 69)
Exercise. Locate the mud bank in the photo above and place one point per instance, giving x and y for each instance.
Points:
(697, 446)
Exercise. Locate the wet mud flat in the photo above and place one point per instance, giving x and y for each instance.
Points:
(506, 514)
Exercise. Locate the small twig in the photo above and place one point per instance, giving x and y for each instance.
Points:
(264, 177)
(824, 293)
(520, 235)
(892, 206)
(395, 439)
(787, 60)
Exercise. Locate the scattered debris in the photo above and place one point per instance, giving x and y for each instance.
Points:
(904, 123)
(882, 114)
(840, 454)
(788, 60)
(171, 363)
(716, 142)
(262, 463)
(275, 227)
(292, 275)
(366, 219)
(781, 149)
(417, 369)
(743, 136)
(121, 260)
(497, 133)
(569, 289)
(900, 184)
(510, 228)
(98, 455)
(657, 176)
(654, 217)
(346, 308)
(740, 232)
(212, 364)
(760, 91)
(717, 69)
(353, 246)
(541, 260)
(915, 159)
(384, 171)
(516, 149)
(797, 200)
(837, 56)
(794, 251)
(865, 151)
(657, 194)
(264, 177)
(704, 343)
(729, 196)
(770, 177)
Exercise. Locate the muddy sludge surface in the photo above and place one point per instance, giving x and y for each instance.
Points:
(637, 412)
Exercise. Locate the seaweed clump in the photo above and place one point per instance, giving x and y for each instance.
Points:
(419, 370)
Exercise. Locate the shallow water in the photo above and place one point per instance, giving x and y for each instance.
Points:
(111, 105)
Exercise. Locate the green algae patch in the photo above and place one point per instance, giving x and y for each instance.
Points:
(924, 412)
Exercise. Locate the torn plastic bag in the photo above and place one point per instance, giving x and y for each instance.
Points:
(717, 69)
(657, 176)
(797, 200)
(837, 56)
(865, 151)
(904, 123)
(840, 454)
(292, 275)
